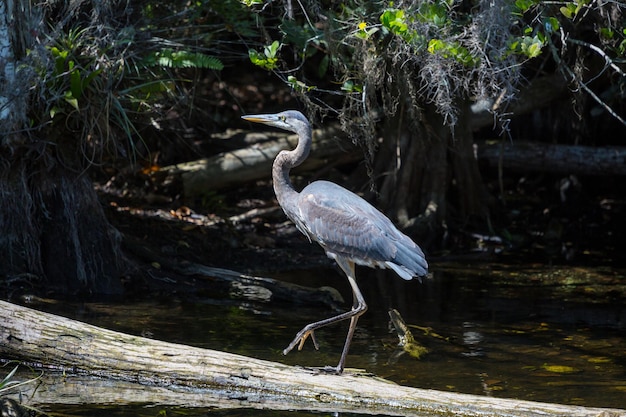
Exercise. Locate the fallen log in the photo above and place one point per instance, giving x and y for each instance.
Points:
(172, 374)
(240, 166)
(558, 159)
(253, 163)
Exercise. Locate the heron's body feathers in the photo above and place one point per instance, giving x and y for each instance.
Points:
(346, 225)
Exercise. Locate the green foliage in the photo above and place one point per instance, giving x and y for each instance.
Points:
(439, 51)
(572, 8)
(551, 24)
(168, 58)
(530, 46)
(9, 382)
(299, 85)
(364, 32)
(411, 31)
(452, 50)
(395, 21)
(350, 86)
(250, 3)
(524, 5)
(268, 59)
(435, 12)
(73, 73)
(621, 49)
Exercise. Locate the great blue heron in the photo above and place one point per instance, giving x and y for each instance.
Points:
(350, 230)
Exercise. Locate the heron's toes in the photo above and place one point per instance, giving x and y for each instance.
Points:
(304, 336)
(299, 340)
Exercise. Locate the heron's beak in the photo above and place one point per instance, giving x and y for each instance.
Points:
(261, 118)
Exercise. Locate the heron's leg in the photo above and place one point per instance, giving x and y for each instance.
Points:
(309, 330)
(359, 307)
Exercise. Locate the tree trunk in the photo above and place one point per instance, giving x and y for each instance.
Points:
(470, 194)
(418, 161)
(167, 373)
(52, 227)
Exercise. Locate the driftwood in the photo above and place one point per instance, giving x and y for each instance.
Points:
(563, 159)
(152, 371)
(240, 166)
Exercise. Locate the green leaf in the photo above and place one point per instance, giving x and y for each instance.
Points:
(607, 33)
(534, 50)
(569, 10)
(524, 5)
(270, 50)
(299, 85)
(552, 25)
(76, 84)
(531, 47)
(168, 58)
(350, 87)
(560, 369)
(262, 60)
(71, 100)
(435, 45)
(393, 19)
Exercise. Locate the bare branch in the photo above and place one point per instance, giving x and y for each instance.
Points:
(572, 76)
(607, 59)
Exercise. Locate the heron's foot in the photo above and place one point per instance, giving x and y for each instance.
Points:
(299, 340)
(335, 370)
(329, 370)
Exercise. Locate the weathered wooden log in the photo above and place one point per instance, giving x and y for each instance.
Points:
(182, 375)
(228, 169)
(560, 159)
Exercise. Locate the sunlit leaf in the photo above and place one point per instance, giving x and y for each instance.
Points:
(69, 98)
(560, 369)
(599, 359)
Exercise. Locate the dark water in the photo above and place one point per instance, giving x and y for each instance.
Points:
(553, 334)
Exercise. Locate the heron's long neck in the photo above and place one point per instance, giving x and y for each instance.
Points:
(285, 193)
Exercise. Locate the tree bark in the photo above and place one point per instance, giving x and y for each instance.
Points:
(471, 196)
(526, 156)
(415, 171)
(194, 377)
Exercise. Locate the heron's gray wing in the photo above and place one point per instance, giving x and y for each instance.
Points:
(346, 225)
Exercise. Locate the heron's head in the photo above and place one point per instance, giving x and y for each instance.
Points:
(291, 120)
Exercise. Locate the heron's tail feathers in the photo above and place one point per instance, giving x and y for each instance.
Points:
(409, 261)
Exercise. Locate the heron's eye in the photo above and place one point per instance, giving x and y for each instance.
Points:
(283, 118)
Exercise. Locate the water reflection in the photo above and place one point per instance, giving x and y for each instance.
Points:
(472, 339)
(539, 333)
